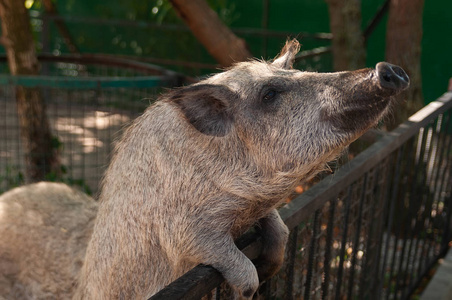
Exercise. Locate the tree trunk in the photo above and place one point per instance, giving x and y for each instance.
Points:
(403, 48)
(207, 27)
(40, 155)
(349, 52)
(51, 9)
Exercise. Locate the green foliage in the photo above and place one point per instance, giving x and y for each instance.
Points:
(11, 178)
(56, 143)
(62, 176)
(134, 28)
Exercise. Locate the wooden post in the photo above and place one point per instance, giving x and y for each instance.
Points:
(403, 48)
(40, 156)
(349, 51)
(207, 27)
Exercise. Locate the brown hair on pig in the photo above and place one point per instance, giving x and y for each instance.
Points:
(44, 230)
(208, 161)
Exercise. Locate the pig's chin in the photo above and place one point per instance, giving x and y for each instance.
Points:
(356, 119)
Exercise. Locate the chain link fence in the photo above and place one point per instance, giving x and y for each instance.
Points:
(88, 101)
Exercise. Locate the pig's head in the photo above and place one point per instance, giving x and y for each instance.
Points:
(289, 121)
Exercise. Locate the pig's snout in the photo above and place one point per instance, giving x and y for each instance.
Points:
(392, 76)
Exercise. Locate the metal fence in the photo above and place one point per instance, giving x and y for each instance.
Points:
(88, 99)
(372, 230)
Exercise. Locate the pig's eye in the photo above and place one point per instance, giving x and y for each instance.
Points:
(269, 96)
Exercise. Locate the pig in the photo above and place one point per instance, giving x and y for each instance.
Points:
(209, 161)
(44, 230)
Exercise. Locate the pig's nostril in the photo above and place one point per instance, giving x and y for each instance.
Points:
(400, 73)
(386, 77)
(392, 77)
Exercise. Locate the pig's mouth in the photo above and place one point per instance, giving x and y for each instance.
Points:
(369, 99)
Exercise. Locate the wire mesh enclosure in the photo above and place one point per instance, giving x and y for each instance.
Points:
(372, 230)
(88, 101)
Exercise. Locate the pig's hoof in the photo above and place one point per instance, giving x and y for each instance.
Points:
(248, 293)
(244, 282)
(244, 294)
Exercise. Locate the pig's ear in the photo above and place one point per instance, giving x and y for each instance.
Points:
(286, 58)
(206, 107)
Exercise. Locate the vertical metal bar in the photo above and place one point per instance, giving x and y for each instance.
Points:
(410, 217)
(448, 207)
(369, 256)
(438, 159)
(432, 177)
(435, 146)
(430, 221)
(421, 226)
(327, 260)
(377, 286)
(402, 230)
(448, 223)
(443, 183)
(416, 189)
(421, 276)
(444, 177)
(392, 201)
(446, 234)
(343, 243)
(357, 236)
(290, 267)
(265, 289)
(442, 136)
(407, 276)
(312, 254)
(218, 293)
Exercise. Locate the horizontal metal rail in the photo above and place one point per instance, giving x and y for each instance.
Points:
(87, 82)
(150, 75)
(102, 59)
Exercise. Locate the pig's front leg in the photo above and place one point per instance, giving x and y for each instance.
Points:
(221, 253)
(274, 236)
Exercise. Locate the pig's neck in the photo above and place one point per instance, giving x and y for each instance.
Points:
(260, 189)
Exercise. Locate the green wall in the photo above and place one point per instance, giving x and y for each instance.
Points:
(312, 16)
